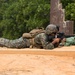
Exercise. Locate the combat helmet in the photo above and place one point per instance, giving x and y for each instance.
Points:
(51, 28)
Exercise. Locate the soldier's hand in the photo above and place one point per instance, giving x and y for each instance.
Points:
(56, 40)
(63, 40)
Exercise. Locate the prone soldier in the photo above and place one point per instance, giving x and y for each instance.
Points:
(47, 40)
(42, 39)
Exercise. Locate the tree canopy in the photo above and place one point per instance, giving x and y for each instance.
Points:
(19, 16)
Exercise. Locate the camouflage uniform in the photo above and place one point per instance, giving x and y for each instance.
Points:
(17, 43)
(42, 40)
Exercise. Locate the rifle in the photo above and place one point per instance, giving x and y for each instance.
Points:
(72, 35)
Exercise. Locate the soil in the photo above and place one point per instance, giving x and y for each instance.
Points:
(59, 61)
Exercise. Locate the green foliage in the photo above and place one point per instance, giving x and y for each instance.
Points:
(19, 16)
(70, 11)
(22, 16)
(69, 6)
(66, 2)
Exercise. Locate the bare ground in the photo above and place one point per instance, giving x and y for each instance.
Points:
(59, 61)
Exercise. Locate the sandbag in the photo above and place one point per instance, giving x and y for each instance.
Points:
(70, 40)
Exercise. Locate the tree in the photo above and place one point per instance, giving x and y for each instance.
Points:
(23, 15)
(66, 2)
(19, 16)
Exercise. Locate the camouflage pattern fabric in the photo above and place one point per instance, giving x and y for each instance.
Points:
(27, 35)
(51, 28)
(31, 35)
(17, 43)
(41, 41)
(35, 32)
